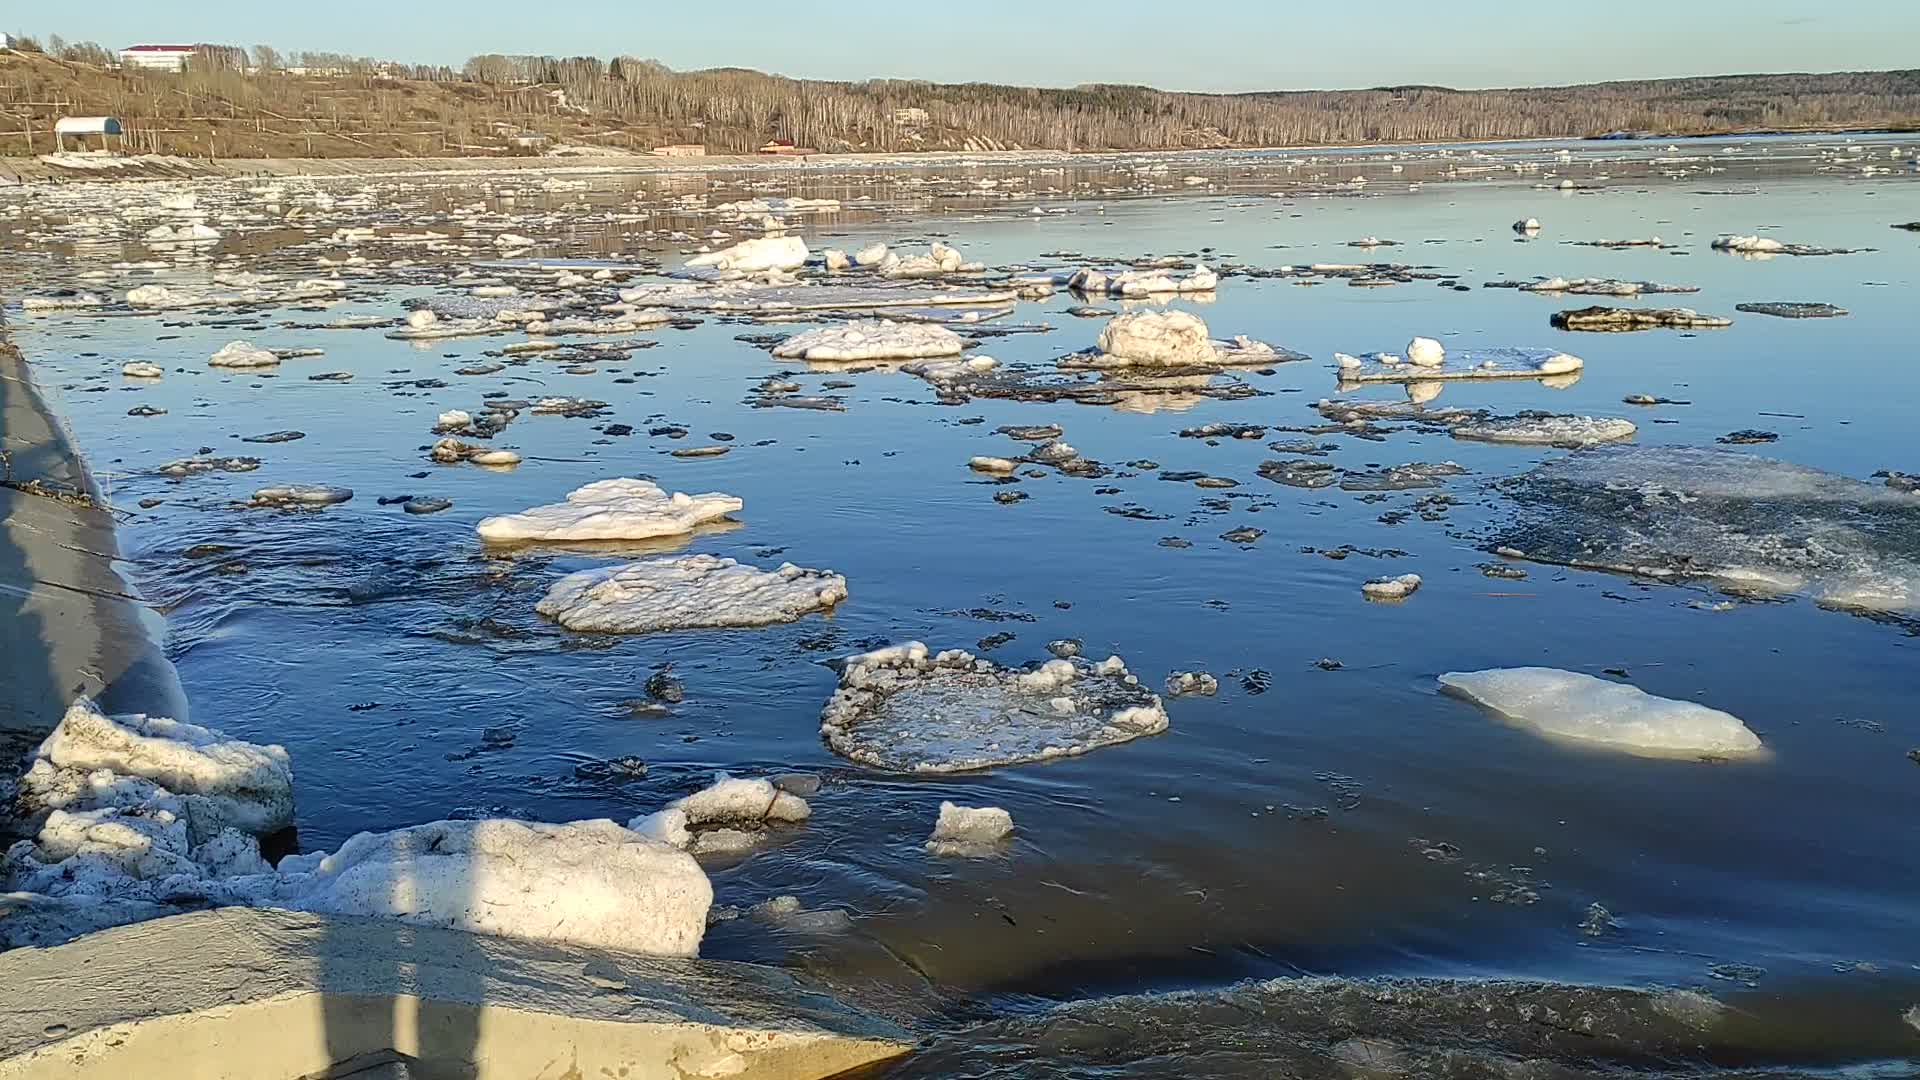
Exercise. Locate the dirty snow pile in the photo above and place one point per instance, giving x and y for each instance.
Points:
(686, 593)
(903, 709)
(144, 808)
(880, 339)
(1543, 430)
(969, 830)
(729, 816)
(756, 255)
(135, 816)
(1581, 708)
(1750, 525)
(617, 509)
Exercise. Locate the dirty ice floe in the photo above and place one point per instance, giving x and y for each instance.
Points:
(728, 816)
(1142, 282)
(686, 593)
(1749, 525)
(753, 256)
(616, 509)
(1547, 430)
(873, 340)
(1390, 588)
(904, 710)
(301, 495)
(969, 830)
(1499, 363)
(1603, 318)
(1581, 708)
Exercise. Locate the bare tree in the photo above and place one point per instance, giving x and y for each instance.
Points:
(266, 58)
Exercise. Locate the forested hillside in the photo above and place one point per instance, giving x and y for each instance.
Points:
(337, 106)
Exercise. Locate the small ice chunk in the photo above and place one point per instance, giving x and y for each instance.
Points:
(141, 369)
(836, 260)
(871, 255)
(1183, 683)
(995, 465)
(616, 509)
(1748, 244)
(1582, 708)
(301, 495)
(243, 354)
(1426, 352)
(1391, 588)
(421, 318)
(1528, 225)
(969, 830)
(689, 592)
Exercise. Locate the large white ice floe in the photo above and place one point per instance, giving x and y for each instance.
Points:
(1170, 339)
(905, 710)
(618, 509)
(880, 339)
(1499, 363)
(686, 593)
(1580, 708)
(592, 883)
(969, 830)
(1547, 430)
(756, 255)
(728, 816)
(1749, 525)
(243, 354)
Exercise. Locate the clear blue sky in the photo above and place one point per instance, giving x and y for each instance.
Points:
(1174, 44)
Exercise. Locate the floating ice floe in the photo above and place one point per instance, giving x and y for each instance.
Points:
(1184, 683)
(1592, 286)
(66, 300)
(1390, 588)
(756, 255)
(301, 495)
(691, 592)
(1540, 429)
(1599, 318)
(729, 816)
(243, 354)
(1170, 339)
(1460, 364)
(939, 260)
(1528, 225)
(449, 451)
(1749, 525)
(1788, 309)
(904, 710)
(625, 323)
(1426, 352)
(1580, 708)
(618, 509)
(872, 340)
(1142, 282)
(141, 369)
(969, 830)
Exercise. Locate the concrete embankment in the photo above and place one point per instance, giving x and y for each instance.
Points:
(243, 994)
(70, 624)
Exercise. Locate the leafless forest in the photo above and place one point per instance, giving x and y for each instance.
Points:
(322, 104)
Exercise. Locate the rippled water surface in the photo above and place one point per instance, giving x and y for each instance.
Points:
(1327, 813)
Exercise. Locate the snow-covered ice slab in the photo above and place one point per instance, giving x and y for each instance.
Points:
(591, 883)
(873, 340)
(1546, 430)
(753, 256)
(687, 593)
(618, 509)
(1171, 339)
(905, 710)
(969, 830)
(1750, 525)
(1580, 708)
(1497, 363)
(1142, 282)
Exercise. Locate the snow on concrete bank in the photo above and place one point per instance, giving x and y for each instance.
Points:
(618, 509)
(902, 709)
(685, 593)
(880, 339)
(1584, 709)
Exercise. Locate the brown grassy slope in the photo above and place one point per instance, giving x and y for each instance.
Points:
(229, 114)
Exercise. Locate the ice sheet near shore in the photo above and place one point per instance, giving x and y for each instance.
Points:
(880, 339)
(686, 593)
(905, 710)
(618, 509)
(1581, 708)
(1751, 525)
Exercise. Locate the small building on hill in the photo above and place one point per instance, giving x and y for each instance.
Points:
(80, 128)
(157, 57)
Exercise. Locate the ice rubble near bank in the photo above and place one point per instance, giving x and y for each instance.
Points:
(729, 816)
(686, 593)
(136, 816)
(618, 509)
(903, 709)
(1584, 709)
(877, 339)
